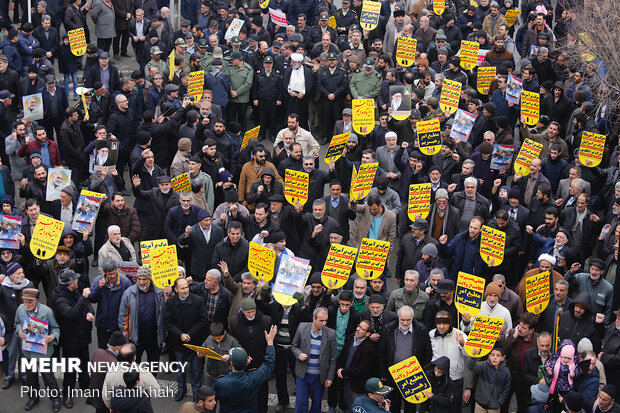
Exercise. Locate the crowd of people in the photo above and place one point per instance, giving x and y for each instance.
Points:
(134, 132)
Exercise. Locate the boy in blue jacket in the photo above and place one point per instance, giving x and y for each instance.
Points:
(493, 385)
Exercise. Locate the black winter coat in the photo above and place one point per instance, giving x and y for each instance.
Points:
(187, 317)
(71, 308)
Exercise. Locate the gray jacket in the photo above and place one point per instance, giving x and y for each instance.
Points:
(389, 199)
(103, 16)
(327, 360)
(46, 313)
(386, 162)
(129, 311)
(18, 163)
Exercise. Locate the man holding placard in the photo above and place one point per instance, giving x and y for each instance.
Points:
(492, 308)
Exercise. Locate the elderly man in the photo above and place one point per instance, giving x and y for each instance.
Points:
(409, 295)
(492, 308)
(508, 298)
(378, 315)
(470, 203)
(201, 238)
(117, 248)
(411, 247)
(601, 292)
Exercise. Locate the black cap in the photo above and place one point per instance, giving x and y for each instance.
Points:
(445, 286)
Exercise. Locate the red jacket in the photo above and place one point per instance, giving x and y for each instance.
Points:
(35, 146)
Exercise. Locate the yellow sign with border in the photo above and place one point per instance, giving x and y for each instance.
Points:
(164, 266)
(45, 237)
(363, 115)
(483, 335)
(371, 258)
(411, 380)
(591, 149)
(469, 293)
(364, 178)
(405, 50)
(261, 262)
(419, 203)
(77, 41)
(450, 96)
(338, 266)
(529, 150)
(296, 186)
(537, 292)
(484, 78)
(492, 244)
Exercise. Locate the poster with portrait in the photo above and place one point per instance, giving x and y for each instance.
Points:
(33, 106)
(290, 279)
(400, 101)
(462, 126)
(501, 156)
(234, 28)
(513, 89)
(10, 228)
(35, 330)
(57, 179)
(106, 154)
(86, 211)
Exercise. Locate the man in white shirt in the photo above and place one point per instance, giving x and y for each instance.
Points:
(492, 308)
(308, 144)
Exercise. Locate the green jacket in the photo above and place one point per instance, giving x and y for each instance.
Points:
(240, 81)
(365, 86)
(162, 66)
(416, 300)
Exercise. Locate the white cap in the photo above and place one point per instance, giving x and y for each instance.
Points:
(547, 257)
(297, 57)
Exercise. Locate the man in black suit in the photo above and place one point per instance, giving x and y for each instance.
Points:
(517, 212)
(337, 207)
(47, 35)
(94, 73)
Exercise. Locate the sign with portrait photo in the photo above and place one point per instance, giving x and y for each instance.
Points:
(33, 106)
(291, 278)
(400, 101)
(10, 228)
(57, 180)
(106, 154)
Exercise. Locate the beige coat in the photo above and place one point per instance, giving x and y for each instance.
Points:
(360, 227)
(249, 175)
(108, 251)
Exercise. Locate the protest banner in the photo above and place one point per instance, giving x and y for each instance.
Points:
(86, 212)
(483, 335)
(484, 78)
(511, 16)
(405, 50)
(400, 101)
(537, 291)
(234, 28)
(336, 146)
(196, 85)
(529, 150)
(278, 17)
(296, 186)
(147, 247)
(501, 156)
(371, 258)
(249, 134)
(469, 54)
(429, 136)
(33, 106)
(182, 183)
(127, 268)
(45, 237)
(261, 262)
(513, 89)
(469, 293)
(369, 17)
(10, 228)
(77, 41)
(463, 125)
(419, 202)
(530, 107)
(363, 181)
(57, 179)
(204, 351)
(363, 115)
(292, 275)
(591, 149)
(450, 95)
(439, 6)
(492, 244)
(164, 266)
(410, 380)
(338, 265)
(171, 57)
(332, 22)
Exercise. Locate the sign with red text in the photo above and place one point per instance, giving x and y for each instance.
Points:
(469, 54)
(492, 244)
(450, 96)
(369, 17)
(147, 247)
(196, 85)
(338, 266)
(439, 6)
(181, 183)
(483, 335)
(429, 136)
(530, 107)
(419, 203)
(537, 292)
(371, 258)
(511, 16)
(249, 134)
(363, 115)
(261, 262)
(485, 77)
(45, 237)
(410, 380)
(296, 186)
(204, 351)
(529, 150)
(336, 146)
(469, 293)
(164, 266)
(77, 41)
(364, 178)
(591, 149)
(405, 51)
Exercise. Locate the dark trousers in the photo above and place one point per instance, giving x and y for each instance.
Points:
(68, 381)
(332, 111)
(195, 364)
(237, 112)
(51, 125)
(522, 390)
(122, 37)
(285, 362)
(396, 400)
(148, 344)
(138, 48)
(262, 398)
(267, 117)
(335, 395)
(300, 107)
(32, 380)
(104, 44)
(103, 336)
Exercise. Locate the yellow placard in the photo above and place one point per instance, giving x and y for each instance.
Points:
(285, 299)
(361, 186)
(369, 17)
(469, 54)
(483, 335)
(196, 85)
(591, 149)
(529, 150)
(171, 65)
(405, 50)
(336, 146)
(338, 266)
(371, 258)
(450, 95)
(530, 107)
(85, 106)
(411, 380)
(419, 202)
(147, 247)
(261, 262)
(439, 6)
(484, 79)
(429, 136)
(263, 4)
(469, 293)
(511, 16)
(296, 186)
(77, 41)
(586, 47)
(249, 134)
(204, 351)
(164, 266)
(45, 237)
(182, 183)
(537, 292)
(492, 244)
(363, 115)
(332, 22)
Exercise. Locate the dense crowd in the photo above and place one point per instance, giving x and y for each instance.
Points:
(135, 131)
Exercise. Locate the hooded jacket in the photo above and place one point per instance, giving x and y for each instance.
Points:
(276, 187)
(11, 298)
(443, 387)
(577, 328)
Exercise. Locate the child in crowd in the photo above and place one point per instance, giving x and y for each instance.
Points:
(493, 385)
(221, 342)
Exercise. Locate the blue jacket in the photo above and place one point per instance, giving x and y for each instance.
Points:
(219, 84)
(458, 248)
(308, 7)
(128, 313)
(10, 50)
(67, 62)
(108, 301)
(237, 390)
(587, 385)
(153, 96)
(364, 404)
(173, 226)
(26, 44)
(499, 98)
